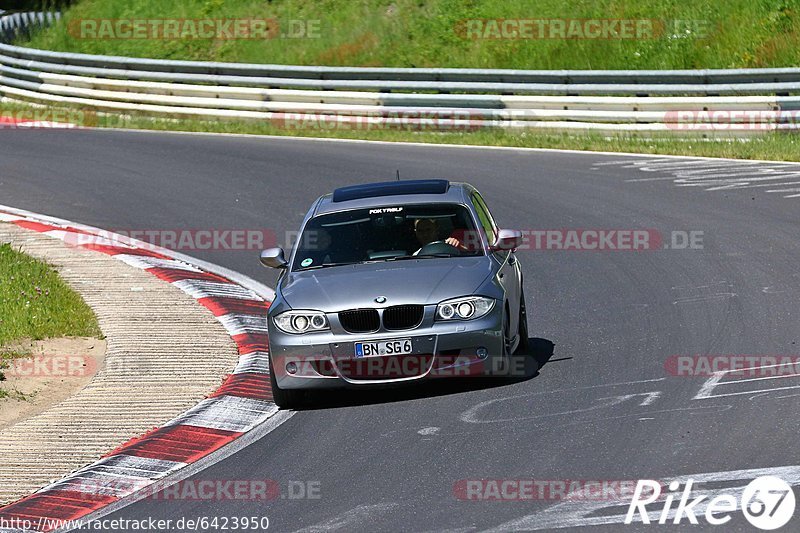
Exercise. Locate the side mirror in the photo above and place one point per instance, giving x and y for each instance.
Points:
(507, 239)
(273, 258)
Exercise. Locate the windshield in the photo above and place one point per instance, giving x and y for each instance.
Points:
(386, 234)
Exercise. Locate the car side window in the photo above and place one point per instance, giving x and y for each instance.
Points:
(487, 222)
(484, 217)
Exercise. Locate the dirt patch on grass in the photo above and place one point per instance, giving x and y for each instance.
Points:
(53, 370)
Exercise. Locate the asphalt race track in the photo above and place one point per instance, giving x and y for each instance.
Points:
(604, 407)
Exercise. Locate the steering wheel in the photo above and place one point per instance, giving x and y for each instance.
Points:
(437, 247)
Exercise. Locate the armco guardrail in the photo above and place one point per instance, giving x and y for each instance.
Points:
(737, 102)
(706, 82)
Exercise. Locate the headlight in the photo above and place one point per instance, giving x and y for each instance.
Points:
(465, 308)
(296, 322)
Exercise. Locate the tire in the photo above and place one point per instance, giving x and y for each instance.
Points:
(283, 398)
(506, 326)
(521, 362)
(523, 347)
(503, 367)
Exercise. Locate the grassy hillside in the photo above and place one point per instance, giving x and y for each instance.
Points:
(425, 33)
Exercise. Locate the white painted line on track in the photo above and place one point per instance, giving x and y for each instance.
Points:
(471, 415)
(715, 381)
(712, 175)
(750, 392)
(757, 379)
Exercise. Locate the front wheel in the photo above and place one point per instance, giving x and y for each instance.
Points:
(283, 398)
(509, 363)
(521, 364)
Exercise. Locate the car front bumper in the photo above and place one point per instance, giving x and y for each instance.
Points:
(439, 349)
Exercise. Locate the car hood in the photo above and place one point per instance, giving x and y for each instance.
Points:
(414, 281)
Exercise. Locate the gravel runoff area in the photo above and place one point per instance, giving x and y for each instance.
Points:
(165, 352)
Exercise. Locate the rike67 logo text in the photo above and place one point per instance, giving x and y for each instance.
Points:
(767, 503)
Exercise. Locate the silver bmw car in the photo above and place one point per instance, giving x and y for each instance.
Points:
(392, 282)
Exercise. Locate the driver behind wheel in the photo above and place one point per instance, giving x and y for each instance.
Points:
(427, 231)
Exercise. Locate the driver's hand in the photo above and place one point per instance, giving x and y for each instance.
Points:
(453, 242)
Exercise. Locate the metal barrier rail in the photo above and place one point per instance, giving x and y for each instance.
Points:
(739, 102)
(454, 75)
(433, 80)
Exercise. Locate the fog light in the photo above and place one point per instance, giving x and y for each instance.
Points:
(291, 367)
(483, 353)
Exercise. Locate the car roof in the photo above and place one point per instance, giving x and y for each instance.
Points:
(383, 194)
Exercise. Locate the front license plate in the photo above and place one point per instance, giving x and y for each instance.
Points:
(390, 347)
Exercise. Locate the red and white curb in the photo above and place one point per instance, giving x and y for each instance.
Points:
(241, 403)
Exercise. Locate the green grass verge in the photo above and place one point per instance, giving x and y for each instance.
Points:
(423, 33)
(35, 303)
(777, 147)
